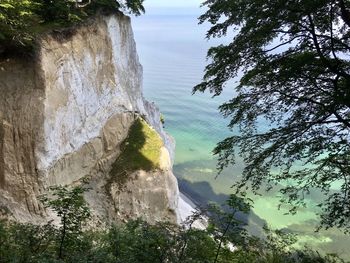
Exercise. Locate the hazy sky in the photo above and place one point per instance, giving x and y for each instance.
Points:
(172, 3)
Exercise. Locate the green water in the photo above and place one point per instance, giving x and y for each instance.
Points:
(172, 51)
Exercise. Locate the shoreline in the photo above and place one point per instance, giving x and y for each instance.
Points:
(186, 208)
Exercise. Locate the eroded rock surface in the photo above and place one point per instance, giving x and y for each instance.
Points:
(63, 117)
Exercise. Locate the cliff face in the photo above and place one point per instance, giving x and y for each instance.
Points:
(64, 117)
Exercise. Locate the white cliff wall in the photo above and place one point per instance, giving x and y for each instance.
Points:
(65, 118)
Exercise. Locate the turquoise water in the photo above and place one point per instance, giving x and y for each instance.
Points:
(173, 57)
(172, 50)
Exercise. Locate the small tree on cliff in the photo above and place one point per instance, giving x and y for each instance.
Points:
(294, 56)
(73, 211)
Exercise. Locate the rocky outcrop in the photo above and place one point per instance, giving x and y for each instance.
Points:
(64, 116)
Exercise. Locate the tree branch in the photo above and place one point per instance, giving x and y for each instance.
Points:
(345, 14)
(319, 51)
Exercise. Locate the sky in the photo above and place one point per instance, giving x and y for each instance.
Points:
(172, 3)
(173, 7)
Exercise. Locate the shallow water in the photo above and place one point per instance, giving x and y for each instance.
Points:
(172, 50)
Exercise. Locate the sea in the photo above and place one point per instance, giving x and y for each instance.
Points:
(172, 48)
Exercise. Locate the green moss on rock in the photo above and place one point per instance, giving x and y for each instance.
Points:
(141, 150)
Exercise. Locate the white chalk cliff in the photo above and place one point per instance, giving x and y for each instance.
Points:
(63, 117)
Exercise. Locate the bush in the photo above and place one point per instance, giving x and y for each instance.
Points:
(138, 241)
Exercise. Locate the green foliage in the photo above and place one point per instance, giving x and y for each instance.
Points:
(71, 208)
(22, 21)
(141, 150)
(135, 6)
(138, 241)
(292, 104)
(224, 226)
(15, 18)
(25, 242)
(162, 119)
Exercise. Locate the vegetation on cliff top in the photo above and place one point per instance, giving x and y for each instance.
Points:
(141, 150)
(22, 21)
(138, 241)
